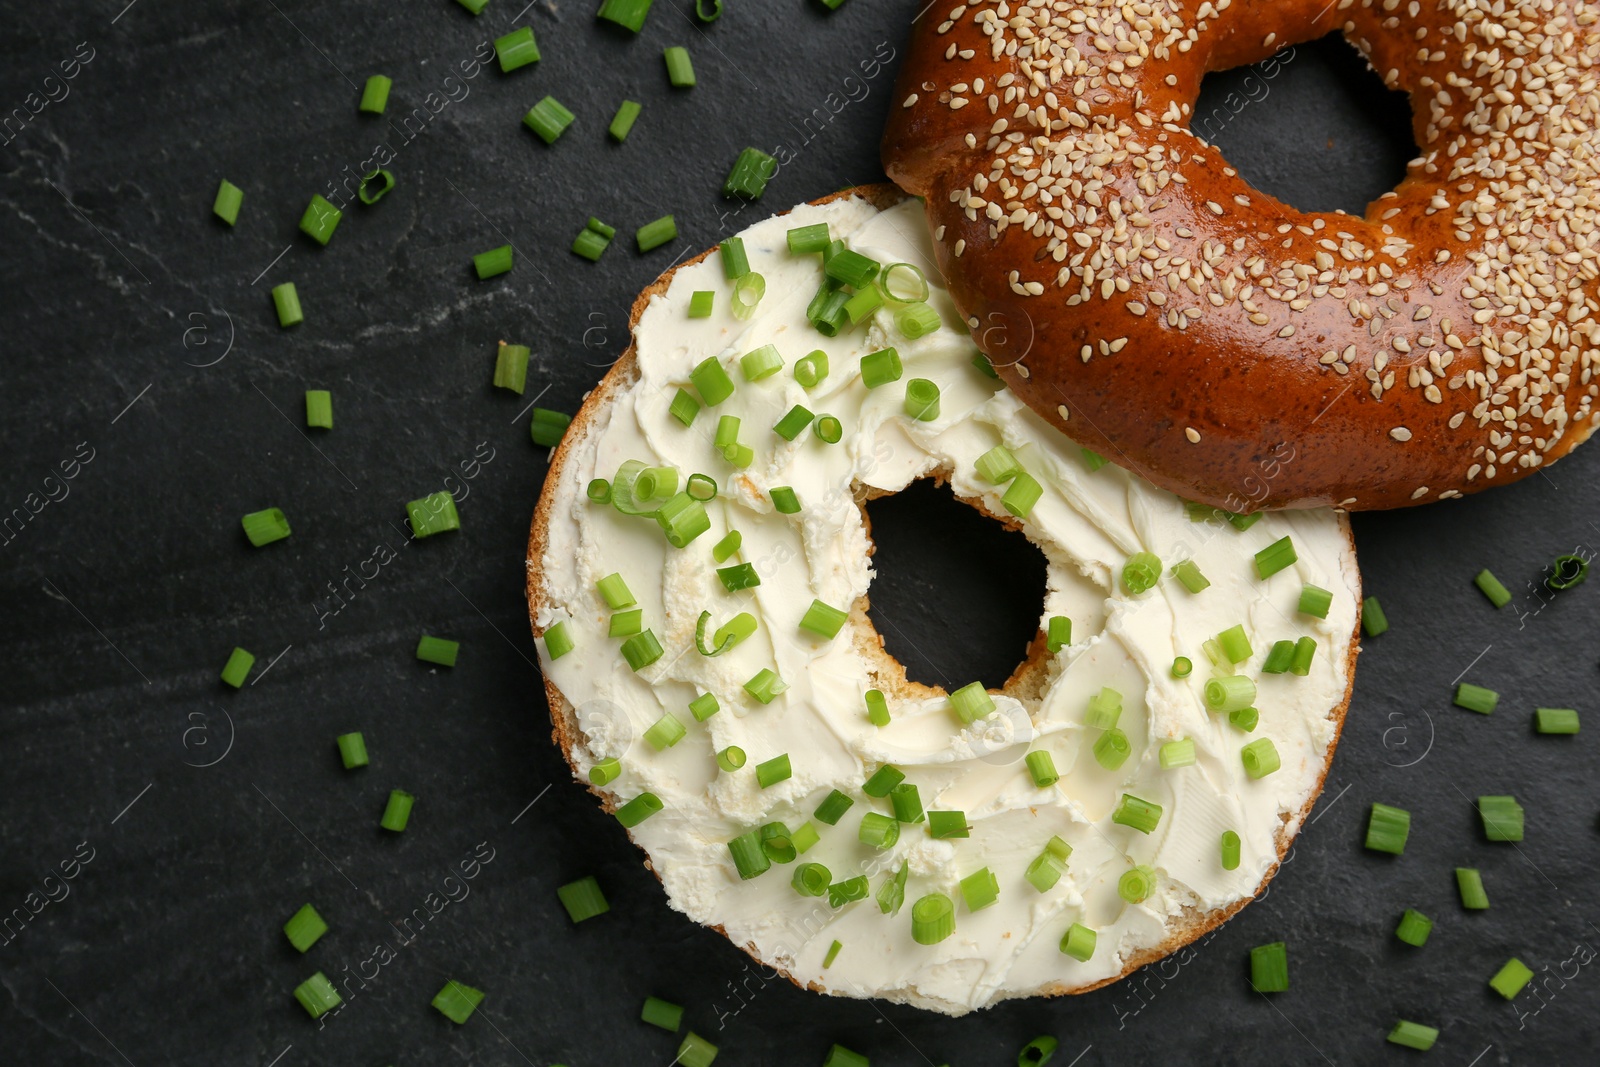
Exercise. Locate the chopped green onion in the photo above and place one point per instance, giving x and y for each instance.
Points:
(1502, 818)
(268, 525)
(682, 518)
(1022, 494)
(701, 487)
(1387, 829)
(1230, 693)
(438, 650)
(784, 501)
(985, 367)
(727, 636)
(811, 879)
(286, 301)
(1058, 633)
(851, 268)
(590, 244)
(933, 918)
(731, 758)
(916, 320)
(1230, 850)
(849, 890)
(1373, 620)
(237, 669)
(1304, 650)
(1234, 644)
(998, 465)
(765, 687)
(883, 780)
(811, 369)
(1269, 968)
(749, 858)
(1136, 884)
(704, 706)
(1260, 757)
(375, 186)
(1111, 749)
(833, 807)
(1042, 768)
(1315, 601)
(1510, 979)
(1092, 459)
(735, 263)
(696, 1051)
(906, 802)
(516, 49)
(1213, 653)
(494, 262)
(804, 838)
(833, 949)
(1413, 1035)
(1555, 720)
(739, 576)
(877, 708)
(615, 592)
(622, 122)
(878, 830)
(665, 732)
(1078, 942)
(629, 14)
(1189, 574)
(605, 772)
(1414, 928)
(317, 995)
(774, 770)
(1279, 657)
(639, 809)
(548, 427)
(658, 1012)
(971, 702)
(397, 810)
(226, 205)
(922, 400)
(892, 893)
(1469, 883)
(1141, 815)
(1566, 572)
(657, 233)
(1245, 719)
(712, 381)
(828, 429)
(352, 750)
(1105, 708)
(1490, 587)
(760, 363)
(1141, 573)
(748, 289)
(304, 928)
(1476, 698)
(701, 302)
(806, 239)
(911, 291)
(641, 650)
(862, 304)
(321, 218)
(680, 70)
(823, 620)
(1037, 1053)
(980, 889)
(557, 642)
(511, 367)
(880, 368)
(727, 432)
(830, 318)
(1182, 666)
(1275, 557)
(793, 423)
(727, 546)
(1179, 753)
(1046, 870)
(777, 844)
(948, 824)
(749, 175)
(684, 407)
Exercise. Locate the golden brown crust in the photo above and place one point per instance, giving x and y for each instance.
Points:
(1027, 677)
(1220, 343)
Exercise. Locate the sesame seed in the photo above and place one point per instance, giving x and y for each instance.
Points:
(1400, 433)
(1192, 434)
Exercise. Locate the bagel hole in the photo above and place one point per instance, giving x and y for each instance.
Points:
(956, 596)
(1313, 126)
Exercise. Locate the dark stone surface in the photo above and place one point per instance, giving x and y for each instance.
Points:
(123, 598)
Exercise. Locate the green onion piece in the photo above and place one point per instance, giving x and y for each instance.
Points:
(749, 858)
(793, 423)
(1230, 850)
(1111, 749)
(1510, 979)
(438, 650)
(1269, 968)
(1315, 601)
(1490, 587)
(696, 1051)
(1179, 753)
(682, 518)
(1279, 657)
(916, 320)
(268, 525)
(903, 283)
(397, 810)
(226, 205)
(657, 233)
(639, 809)
(626, 494)
(1022, 494)
(879, 831)
(511, 367)
(1142, 815)
(704, 706)
(1387, 829)
(712, 381)
(833, 949)
(680, 70)
(1414, 928)
(516, 49)
(823, 619)
(998, 465)
(665, 732)
(1476, 698)
(833, 807)
(615, 592)
(701, 301)
(590, 244)
(304, 928)
(286, 301)
(1078, 942)
(739, 576)
(880, 368)
(760, 363)
(830, 318)
(1213, 653)
(1092, 459)
(735, 263)
(971, 702)
(605, 772)
(1373, 620)
(1037, 1052)
(1245, 719)
(749, 175)
(1555, 720)
(352, 750)
(883, 780)
(804, 838)
(850, 268)
(811, 879)
(727, 636)
(1042, 767)
(1275, 557)
(493, 262)
(548, 427)
(658, 1012)
(237, 669)
(922, 400)
(731, 758)
(774, 770)
(849, 890)
(765, 687)
(1469, 883)
(806, 239)
(1304, 650)
(933, 918)
(981, 361)
(828, 429)
(748, 289)
(1502, 818)
(877, 708)
(629, 14)
(375, 186)
(944, 825)
(1230, 693)
(1189, 574)
(862, 304)
(1136, 884)
(784, 500)
(622, 122)
(777, 844)
(727, 432)
(906, 802)
(1182, 666)
(1105, 708)
(701, 487)
(321, 218)
(1141, 573)
(1413, 1035)
(1058, 633)
(739, 456)
(892, 893)
(980, 889)
(811, 368)
(317, 995)
(684, 407)
(641, 650)
(1234, 644)
(557, 642)
(1566, 572)
(375, 94)
(1260, 757)
(727, 546)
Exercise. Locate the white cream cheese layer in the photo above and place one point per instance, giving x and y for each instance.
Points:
(1087, 523)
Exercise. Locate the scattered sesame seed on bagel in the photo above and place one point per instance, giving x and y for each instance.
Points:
(1138, 293)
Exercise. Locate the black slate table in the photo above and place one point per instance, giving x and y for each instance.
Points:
(142, 355)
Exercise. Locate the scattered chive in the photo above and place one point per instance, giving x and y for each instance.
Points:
(1304, 650)
(739, 576)
(286, 301)
(683, 518)
(622, 122)
(804, 838)
(375, 186)
(985, 367)
(1490, 587)
(1045, 870)
(657, 233)
(1092, 459)
(1269, 968)
(265, 526)
(701, 487)
(629, 14)
(665, 732)
(1555, 720)
(777, 844)
(1275, 557)
(862, 304)
(833, 807)
(352, 750)
(922, 400)
(727, 546)
(735, 263)
(1141, 815)
(774, 770)
(1280, 657)
(760, 363)
(1260, 757)
(321, 218)
(1037, 1053)
(913, 290)
(811, 879)
(1315, 601)
(850, 268)
(933, 918)
(1502, 818)
(1469, 883)
(605, 772)
(883, 780)
(557, 642)
(1476, 698)
(304, 928)
(1078, 942)
(749, 858)
(916, 320)
(1245, 719)
(823, 620)
(1179, 753)
(438, 650)
(1022, 494)
(1509, 980)
(457, 1002)
(1234, 644)
(547, 427)
(750, 174)
(494, 262)
(1230, 692)
(1105, 708)
(980, 889)
(433, 514)
(1373, 620)
(811, 368)
(944, 825)
(731, 758)
(1230, 850)
(1414, 928)
(614, 591)
(696, 1051)
(375, 94)
(1042, 768)
(1111, 749)
(727, 432)
(474, 6)
(711, 379)
(1566, 572)
(511, 367)
(828, 429)
(590, 245)
(848, 891)
(641, 650)
(878, 830)
(833, 954)
(237, 669)
(877, 708)
(906, 802)
(639, 809)
(1413, 1035)
(998, 465)
(971, 702)
(1182, 666)
(317, 995)
(1058, 633)
(684, 407)
(793, 423)
(892, 893)
(807, 239)
(701, 303)
(680, 70)
(748, 289)
(784, 501)
(397, 811)
(828, 316)
(880, 368)
(1141, 573)
(226, 205)
(1136, 884)
(1387, 829)
(516, 49)
(1189, 575)
(662, 1013)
